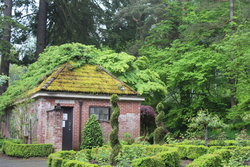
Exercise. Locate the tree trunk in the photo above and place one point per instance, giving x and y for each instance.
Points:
(231, 10)
(41, 28)
(5, 63)
(206, 135)
(232, 81)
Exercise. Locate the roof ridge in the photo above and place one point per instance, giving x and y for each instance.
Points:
(47, 84)
(117, 79)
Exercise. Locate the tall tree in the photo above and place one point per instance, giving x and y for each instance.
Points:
(5, 63)
(41, 28)
(131, 22)
(231, 10)
(74, 21)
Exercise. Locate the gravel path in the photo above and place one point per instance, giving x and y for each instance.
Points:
(6, 161)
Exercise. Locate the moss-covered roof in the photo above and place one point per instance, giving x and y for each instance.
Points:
(92, 79)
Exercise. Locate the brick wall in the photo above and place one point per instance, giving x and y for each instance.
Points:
(49, 125)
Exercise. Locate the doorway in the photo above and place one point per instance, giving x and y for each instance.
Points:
(67, 125)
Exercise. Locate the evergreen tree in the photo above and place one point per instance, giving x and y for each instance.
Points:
(92, 134)
(5, 49)
(41, 27)
(160, 131)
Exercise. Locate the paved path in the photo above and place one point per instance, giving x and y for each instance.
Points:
(6, 161)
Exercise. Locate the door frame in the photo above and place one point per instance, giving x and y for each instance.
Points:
(70, 110)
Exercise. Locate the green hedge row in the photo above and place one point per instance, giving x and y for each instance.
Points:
(17, 141)
(67, 159)
(26, 150)
(212, 142)
(163, 159)
(211, 160)
(191, 151)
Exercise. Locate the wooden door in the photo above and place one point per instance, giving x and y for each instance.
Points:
(67, 125)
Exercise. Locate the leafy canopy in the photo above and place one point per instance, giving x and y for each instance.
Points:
(127, 68)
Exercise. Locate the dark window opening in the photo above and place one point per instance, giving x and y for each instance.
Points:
(102, 113)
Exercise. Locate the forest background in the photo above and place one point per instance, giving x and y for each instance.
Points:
(188, 54)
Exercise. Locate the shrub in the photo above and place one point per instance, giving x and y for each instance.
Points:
(26, 150)
(66, 159)
(127, 139)
(170, 158)
(160, 131)
(129, 153)
(74, 163)
(212, 160)
(92, 134)
(84, 155)
(147, 119)
(214, 148)
(101, 155)
(114, 139)
(191, 151)
(58, 158)
(148, 162)
(167, 158)
(242, 138)
(238, 157)
(17, 141)
(208, 160)
(204, 121)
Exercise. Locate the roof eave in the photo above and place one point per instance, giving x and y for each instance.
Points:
(85, 96)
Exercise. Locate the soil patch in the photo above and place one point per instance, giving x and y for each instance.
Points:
(185, 162)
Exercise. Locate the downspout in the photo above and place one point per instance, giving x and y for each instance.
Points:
(80, 122)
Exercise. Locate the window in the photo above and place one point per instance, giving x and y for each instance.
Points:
(102, 113)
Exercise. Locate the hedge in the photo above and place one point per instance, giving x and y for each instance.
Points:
(17, 141)
(67, 159)
(26, 150)
(211, 160)
(212, 142)
(148, 162)
(214, 148)
(191, 151)
(168, 158)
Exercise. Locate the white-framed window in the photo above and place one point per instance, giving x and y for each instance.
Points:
(102, 113)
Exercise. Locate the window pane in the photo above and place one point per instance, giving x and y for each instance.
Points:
(102, 113)
(106, 117)
(105, 111)
(101, 117)
(92, 110)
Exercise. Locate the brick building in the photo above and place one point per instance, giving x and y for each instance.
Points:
(64, 101)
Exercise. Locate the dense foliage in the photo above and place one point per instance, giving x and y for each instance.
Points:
(92, 134)
(203, 121)
(136, 155)
(188, 54)
(114, 135)
(203, 60)
(26, 150)
(3, 79)
(127, 68)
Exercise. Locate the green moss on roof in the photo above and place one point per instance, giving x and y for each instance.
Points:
(91, 79)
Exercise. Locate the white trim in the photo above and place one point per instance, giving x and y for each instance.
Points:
(81, 96)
